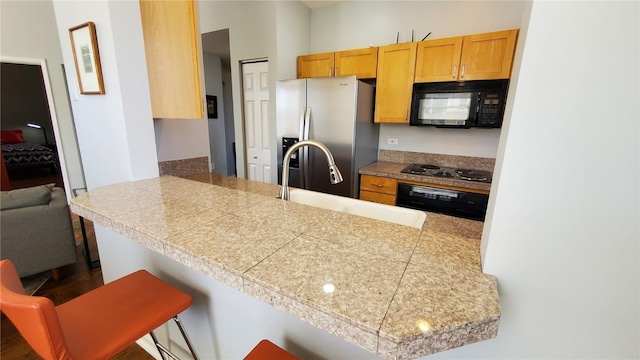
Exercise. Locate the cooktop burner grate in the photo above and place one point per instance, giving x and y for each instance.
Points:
(443, 172)
(474, 175)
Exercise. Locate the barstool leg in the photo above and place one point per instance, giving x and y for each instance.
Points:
(164, 351)
(186, 337)
(157, 344)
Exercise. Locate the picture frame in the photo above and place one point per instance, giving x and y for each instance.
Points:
(84, 45)
(212, 106)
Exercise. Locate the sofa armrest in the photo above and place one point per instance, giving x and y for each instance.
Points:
(38, 238)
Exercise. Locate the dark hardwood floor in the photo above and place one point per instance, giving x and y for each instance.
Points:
(76, 279)
(23, 178)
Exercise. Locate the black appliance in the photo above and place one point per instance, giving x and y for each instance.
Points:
(455, 104)
(450, 202)
(465, 204)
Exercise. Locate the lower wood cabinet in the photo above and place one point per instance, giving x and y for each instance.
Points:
(378, 189)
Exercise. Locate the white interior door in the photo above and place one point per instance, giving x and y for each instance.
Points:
(256, 120)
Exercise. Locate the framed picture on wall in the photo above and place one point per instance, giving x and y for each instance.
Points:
(86, 56)
(212, 107)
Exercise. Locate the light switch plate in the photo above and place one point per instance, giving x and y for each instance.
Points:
(392, 141)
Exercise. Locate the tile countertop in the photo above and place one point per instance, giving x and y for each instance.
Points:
(393, 170)
(399, 292)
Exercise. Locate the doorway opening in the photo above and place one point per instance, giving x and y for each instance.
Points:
(216, 59)
(31, 151)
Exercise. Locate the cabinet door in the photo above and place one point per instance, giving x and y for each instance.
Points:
(438, 60)
(173, 58)
(488, 56)
(396, 68)
(315, 65)
(361, 62)
(378, 184)
(377, 197)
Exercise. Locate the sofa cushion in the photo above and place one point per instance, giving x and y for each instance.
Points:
(19, 198)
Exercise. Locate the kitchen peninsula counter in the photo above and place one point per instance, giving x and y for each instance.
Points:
(395, 291)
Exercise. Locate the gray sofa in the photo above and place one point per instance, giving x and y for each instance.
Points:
(36, 230)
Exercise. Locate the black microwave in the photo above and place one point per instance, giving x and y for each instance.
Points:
(465, 104)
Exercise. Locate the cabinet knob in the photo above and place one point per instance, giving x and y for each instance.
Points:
(462, 73)
(378, 185)
(455, 71)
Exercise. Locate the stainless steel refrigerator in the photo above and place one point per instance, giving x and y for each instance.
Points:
(336, 111)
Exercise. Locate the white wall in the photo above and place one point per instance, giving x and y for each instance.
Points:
(564, 245)
(115, 130)
(358, 24)
(24, 37)
(274, 30)
(217, 131)
(293, 36)
(251, 27)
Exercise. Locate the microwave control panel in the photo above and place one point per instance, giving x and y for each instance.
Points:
(491, 109)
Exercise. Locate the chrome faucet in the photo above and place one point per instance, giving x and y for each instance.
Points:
(334, 173)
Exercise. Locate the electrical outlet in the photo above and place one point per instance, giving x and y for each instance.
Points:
(392, 141)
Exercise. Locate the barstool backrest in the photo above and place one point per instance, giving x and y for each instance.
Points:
(35, 317)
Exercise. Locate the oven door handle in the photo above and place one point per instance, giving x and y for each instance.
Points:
(422, 191)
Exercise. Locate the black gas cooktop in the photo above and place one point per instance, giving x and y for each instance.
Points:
(444, 172)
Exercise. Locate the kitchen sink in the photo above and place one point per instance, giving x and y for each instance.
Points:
(393, 214)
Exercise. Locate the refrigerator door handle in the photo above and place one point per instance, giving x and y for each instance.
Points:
(307, 124)
(301, 160)
(305, 150)
(303, 114)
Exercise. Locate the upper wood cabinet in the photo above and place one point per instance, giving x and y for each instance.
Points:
(394, 85)
(438, 60)
(315, 65)
(171, 41)
(474, 57)
(359, 62)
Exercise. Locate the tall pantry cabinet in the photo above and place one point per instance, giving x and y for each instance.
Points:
(171, 41)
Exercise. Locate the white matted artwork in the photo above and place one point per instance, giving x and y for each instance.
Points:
(86, 56)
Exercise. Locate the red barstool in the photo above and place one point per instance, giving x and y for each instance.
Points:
(266, 350)
(95, 325)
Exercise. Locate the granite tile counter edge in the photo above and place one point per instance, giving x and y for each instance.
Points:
(163, 248)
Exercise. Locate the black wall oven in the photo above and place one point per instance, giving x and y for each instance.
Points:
(459, 104)
(463, 204)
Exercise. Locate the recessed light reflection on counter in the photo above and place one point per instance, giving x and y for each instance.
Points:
(328, 288)
(423, 325)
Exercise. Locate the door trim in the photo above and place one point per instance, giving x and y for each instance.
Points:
(52, 112)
